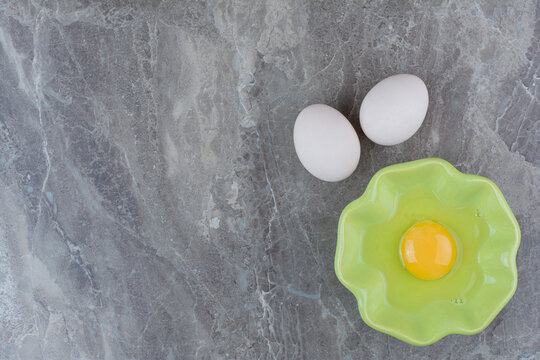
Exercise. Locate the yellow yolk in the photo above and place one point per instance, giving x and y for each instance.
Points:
(428, 250)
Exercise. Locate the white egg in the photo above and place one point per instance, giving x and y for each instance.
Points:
(326, 143)
(394, 109)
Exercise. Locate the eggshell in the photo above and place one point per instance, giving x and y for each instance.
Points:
(326, 143)
(394, 109)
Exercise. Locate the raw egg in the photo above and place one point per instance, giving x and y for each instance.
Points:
(394, 109)
(428, 250)
(326, 143)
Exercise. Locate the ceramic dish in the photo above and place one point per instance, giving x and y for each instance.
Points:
(484, 275)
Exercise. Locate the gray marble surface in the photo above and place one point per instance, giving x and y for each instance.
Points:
(153, 207)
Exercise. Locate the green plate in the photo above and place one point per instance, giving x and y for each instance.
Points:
(483, 278)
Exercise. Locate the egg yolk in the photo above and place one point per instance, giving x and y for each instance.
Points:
(428, 250)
